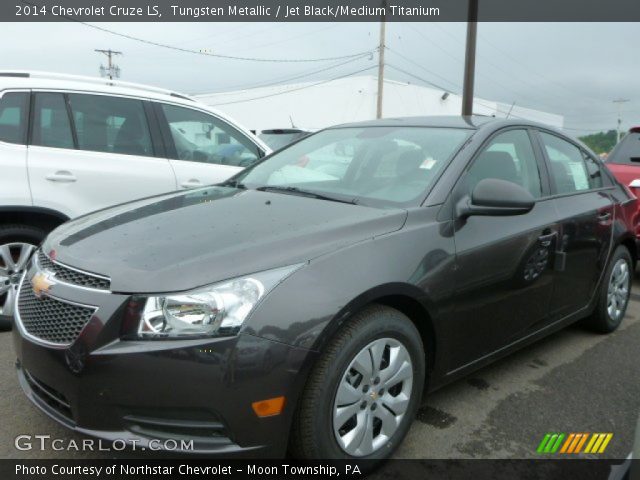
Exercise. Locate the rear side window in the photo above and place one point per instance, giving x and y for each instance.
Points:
(568, 166)
(596, 177)
(51, 123)
(111, 124)
(200, 137)
(627, 151)
(14, 111)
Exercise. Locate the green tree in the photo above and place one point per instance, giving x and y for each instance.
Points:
(601, 142)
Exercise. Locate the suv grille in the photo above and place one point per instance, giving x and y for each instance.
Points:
(50, 319)
(69, 275)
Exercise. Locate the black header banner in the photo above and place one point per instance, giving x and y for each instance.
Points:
(318, 10)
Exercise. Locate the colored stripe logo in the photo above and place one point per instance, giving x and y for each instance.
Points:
(568, 443)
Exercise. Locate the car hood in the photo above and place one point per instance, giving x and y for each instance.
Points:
(181, 241)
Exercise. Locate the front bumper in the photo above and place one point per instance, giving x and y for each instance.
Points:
(142, 391)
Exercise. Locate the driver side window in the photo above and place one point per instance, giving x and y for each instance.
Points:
(199, 137)
(509, 156)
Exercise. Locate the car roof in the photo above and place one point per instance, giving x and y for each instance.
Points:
(473, 122)
(37, 79)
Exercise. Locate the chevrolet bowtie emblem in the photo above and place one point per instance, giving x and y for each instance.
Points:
(41, 283)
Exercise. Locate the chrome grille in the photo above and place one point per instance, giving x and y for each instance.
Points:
(72, 276)
(49, 319)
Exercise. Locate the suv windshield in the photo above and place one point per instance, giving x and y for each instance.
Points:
(376, 166)
(276, 139)
(627, 151)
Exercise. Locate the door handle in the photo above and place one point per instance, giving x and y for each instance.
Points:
(61, 176)
(603, 217)
(192, 183)
(546, 239)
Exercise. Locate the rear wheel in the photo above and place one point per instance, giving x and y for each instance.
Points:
(363, 394)
(614, 293)
(17, 244)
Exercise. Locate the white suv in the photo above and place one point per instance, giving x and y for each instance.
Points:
(70, 145)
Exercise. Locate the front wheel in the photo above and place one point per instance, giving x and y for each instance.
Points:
(614, 293)
(363, 394)
(17, 244)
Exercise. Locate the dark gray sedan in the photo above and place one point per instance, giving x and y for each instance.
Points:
(307, 304)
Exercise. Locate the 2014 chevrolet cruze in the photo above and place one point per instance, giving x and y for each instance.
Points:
(306, 304)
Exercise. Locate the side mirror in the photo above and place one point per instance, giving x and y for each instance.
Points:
(494, 197)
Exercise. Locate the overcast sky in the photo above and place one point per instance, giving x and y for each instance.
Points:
(575, 70)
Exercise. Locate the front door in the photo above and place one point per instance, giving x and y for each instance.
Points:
(504, 279)
(203, 149)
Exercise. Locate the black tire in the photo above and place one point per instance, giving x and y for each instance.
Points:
(18, 233)
(312, 435)
(600, 320)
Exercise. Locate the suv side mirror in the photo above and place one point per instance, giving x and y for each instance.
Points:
(494, 197)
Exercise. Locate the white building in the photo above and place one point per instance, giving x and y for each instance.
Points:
(318, 104)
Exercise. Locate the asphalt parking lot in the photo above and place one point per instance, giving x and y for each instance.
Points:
(573, 381)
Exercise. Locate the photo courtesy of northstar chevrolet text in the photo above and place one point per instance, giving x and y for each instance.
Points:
(286, 239)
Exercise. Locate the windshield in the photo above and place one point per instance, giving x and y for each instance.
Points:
(278, 140)
(375, 166)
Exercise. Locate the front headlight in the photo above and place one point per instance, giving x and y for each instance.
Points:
(219, 309)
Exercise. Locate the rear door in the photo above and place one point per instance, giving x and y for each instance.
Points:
(585, 211)
(504, 279)
(91, 151)
(203, 149)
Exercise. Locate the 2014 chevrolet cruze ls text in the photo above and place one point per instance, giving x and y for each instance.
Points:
(305, 305)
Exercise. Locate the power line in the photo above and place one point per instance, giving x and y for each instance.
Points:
(407, 59)
(217, 55)
(283, 80)
(448, 90)
(489, 78)
(535, 72)
(303, 87)
(288, 39)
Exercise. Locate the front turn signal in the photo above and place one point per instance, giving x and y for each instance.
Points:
(269, 407)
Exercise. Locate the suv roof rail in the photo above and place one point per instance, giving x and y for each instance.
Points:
(94, 80)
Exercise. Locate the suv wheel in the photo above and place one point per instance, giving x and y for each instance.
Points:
(17, 244)
(363, 394)
(614, 293)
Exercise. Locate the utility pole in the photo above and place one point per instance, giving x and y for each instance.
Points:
(111, 70)
(619, 102)
(381, 49)
(470, 59)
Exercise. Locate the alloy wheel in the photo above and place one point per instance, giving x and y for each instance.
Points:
(619, 289)
(13, 261)
(372, 397)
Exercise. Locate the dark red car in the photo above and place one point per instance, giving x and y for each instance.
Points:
(624, 163)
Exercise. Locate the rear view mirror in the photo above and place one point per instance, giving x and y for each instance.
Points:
(494, 197)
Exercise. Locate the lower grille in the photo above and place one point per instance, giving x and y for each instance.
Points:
(204, 432)
(49, 396)
(50, 319)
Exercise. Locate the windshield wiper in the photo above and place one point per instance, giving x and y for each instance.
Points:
(234, 184)
(306, 193)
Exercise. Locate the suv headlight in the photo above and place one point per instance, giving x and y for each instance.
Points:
(219, 309)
